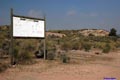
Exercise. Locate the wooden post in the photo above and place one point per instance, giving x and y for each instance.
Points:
(45, 54)
(11, 38)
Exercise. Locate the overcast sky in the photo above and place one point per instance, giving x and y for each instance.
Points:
(66, 14)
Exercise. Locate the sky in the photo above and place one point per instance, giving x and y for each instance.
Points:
(66, 14)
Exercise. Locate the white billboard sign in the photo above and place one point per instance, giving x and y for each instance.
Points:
(28, 27)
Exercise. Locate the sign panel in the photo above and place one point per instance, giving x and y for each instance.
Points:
(28, 27)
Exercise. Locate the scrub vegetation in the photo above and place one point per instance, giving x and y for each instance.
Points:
(57, 47)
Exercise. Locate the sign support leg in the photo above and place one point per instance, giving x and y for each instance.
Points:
(11, 39)
(45, 54)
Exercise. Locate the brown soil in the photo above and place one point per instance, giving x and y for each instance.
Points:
(83, 66)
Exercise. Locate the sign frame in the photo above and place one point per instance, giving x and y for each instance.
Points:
(26, 17)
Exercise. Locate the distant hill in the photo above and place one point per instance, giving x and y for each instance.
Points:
(84, 32)
(62, 33)
(4, 28)
(93, 32)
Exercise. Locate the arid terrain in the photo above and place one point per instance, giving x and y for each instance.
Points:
(59, 39)
(71, 55)
(82, 66)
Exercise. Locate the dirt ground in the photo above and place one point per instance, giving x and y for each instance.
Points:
(82, 66)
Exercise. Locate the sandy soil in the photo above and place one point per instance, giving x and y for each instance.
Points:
(84, 66)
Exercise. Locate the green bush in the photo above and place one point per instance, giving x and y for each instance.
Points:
(65, 58)
(66, 46)
(107, 48)
(117, 45)
(75, 45)
(23, 55)
(29, 47)
(113, 38)
(3, 67)
(99, 45)
(51, 55)
(86, 46)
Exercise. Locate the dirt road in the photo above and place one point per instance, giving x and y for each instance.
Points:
(102, 66)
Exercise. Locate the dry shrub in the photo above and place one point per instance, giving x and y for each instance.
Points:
(66, 46)
(64, 58)
(3, 67)
(107, 48)
(24, 55)
(86, 46)
(51, 55)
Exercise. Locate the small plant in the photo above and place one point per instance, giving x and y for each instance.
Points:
(75, 45)
(107, 48)
(30, 47)
(51, 55)
(65, 58)
(23, 56)
(3, 67)
(66, 46)
(86, 46)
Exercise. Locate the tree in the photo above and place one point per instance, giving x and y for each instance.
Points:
(112, 32)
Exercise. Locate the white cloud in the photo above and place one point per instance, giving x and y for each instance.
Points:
(71, 13)
(35, 13)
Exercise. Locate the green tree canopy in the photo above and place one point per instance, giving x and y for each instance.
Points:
(113, 32)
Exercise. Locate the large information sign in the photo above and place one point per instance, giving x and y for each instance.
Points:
(28, 27)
